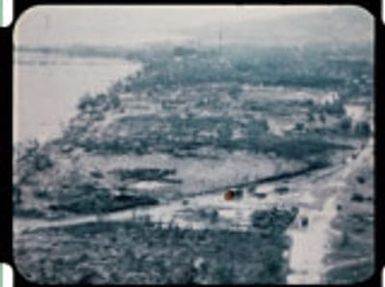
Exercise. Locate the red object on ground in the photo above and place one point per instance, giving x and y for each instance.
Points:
(229, 195)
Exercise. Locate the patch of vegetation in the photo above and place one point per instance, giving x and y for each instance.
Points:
(273, 220)
(137, 253)
(99, 103)
(29, 212)
(356, 273)
(179, 136)
(256, 66)
(335, 108)
(90, 199)
(346, 124)
(352, 254)
(141, 174)
(358, 197)
(31, 158)
(301, 147)
(362, 129)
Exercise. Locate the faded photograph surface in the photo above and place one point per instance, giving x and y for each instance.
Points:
(193, 144)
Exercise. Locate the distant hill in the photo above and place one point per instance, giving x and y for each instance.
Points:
(339, 26)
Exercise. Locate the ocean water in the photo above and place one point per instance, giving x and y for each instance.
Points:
(47, 89)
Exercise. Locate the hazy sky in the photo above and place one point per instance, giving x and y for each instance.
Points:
(132, 25)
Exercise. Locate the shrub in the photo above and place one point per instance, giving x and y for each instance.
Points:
(345, 124)
(255, 128)
(336, 108)
(301, 147)
(29, 213)
(310, 117)
(30, 159)
(322, 118)
(99, 103)
(299, 126)
(362, 129)
(274, 220)
(235, 90)
(86, 102)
